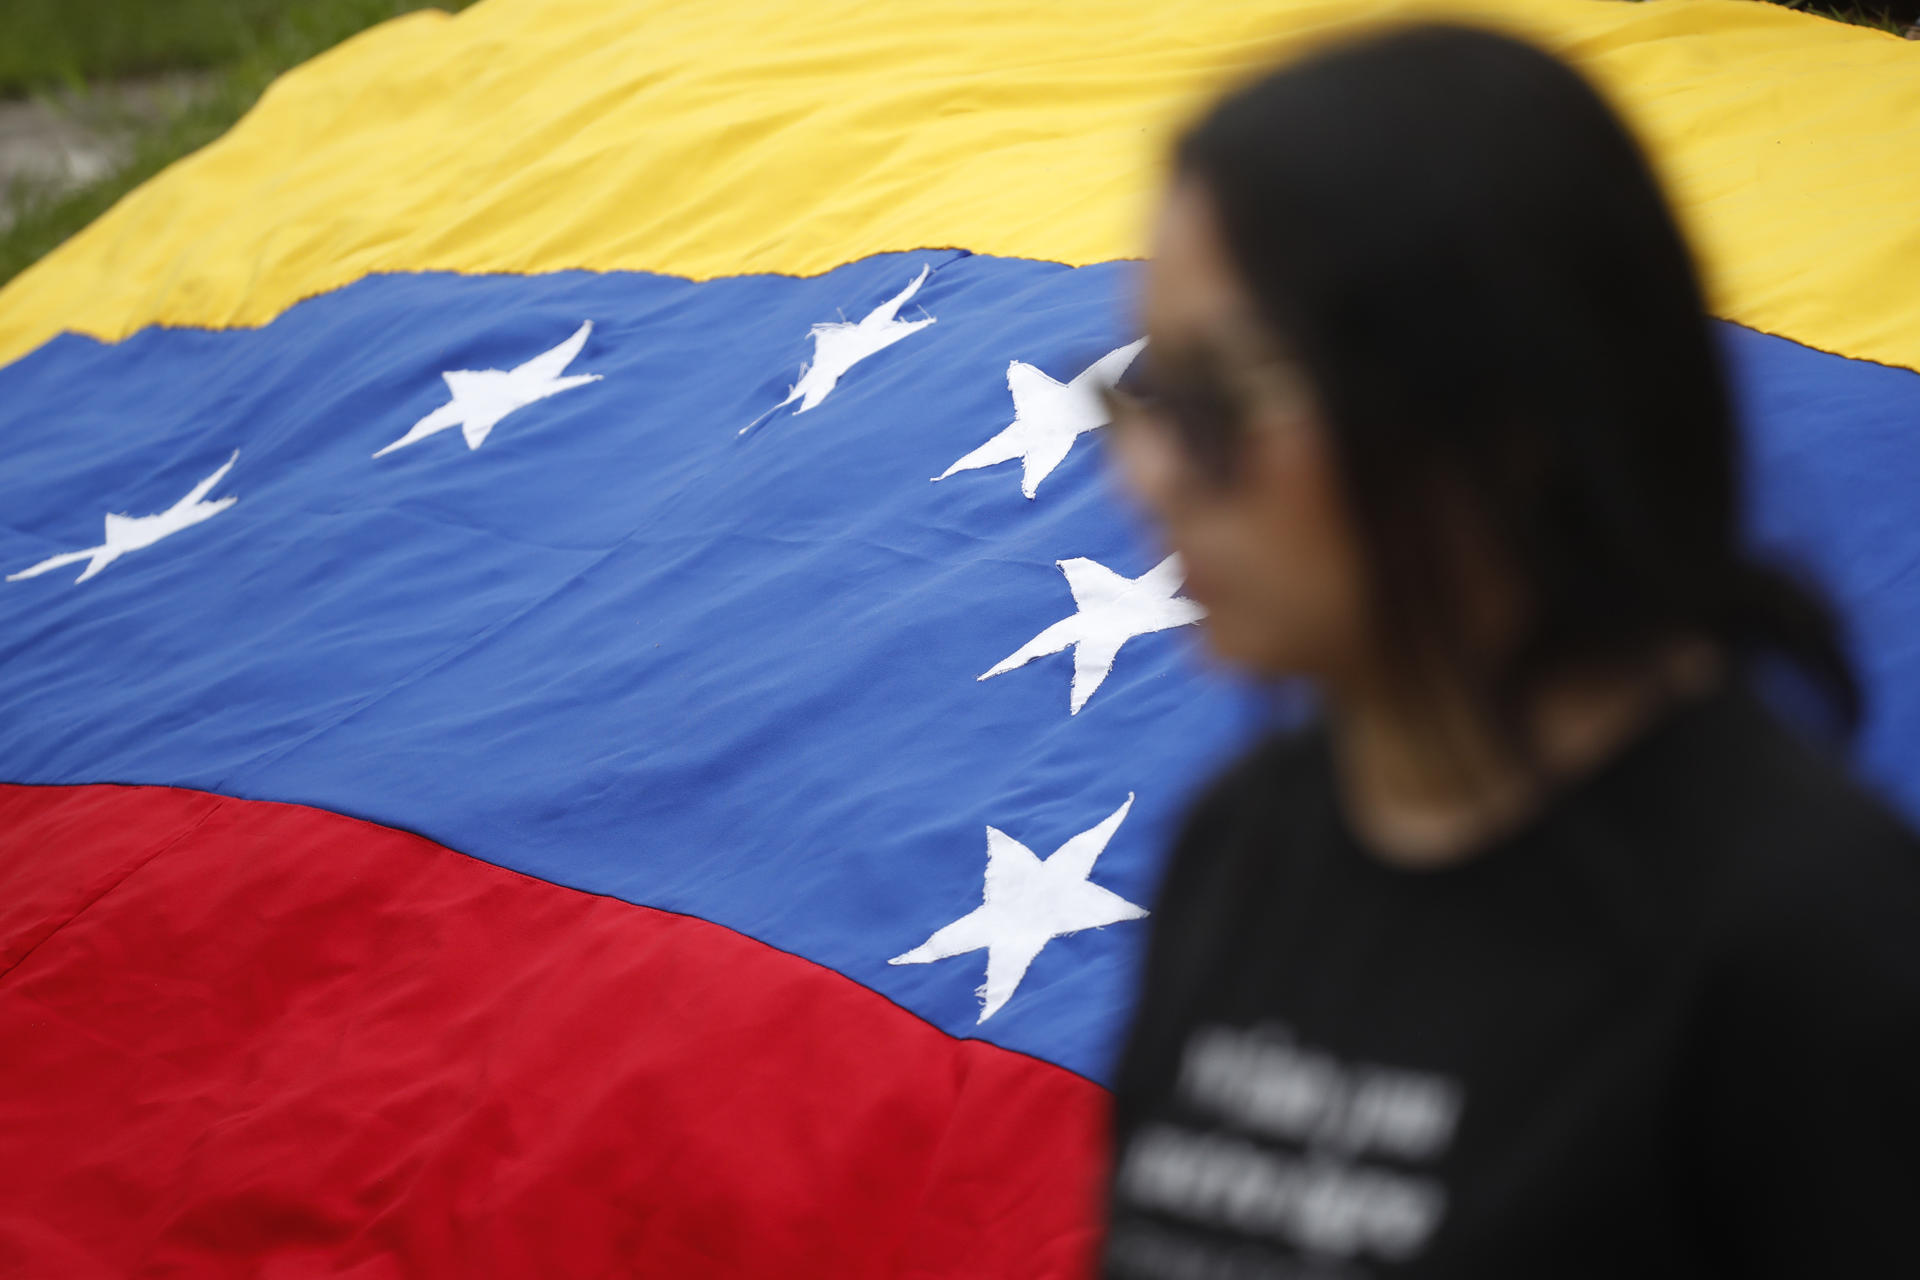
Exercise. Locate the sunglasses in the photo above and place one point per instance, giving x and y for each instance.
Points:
(1202, 411)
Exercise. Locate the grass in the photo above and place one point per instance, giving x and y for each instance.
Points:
(243, 43)
(1889, 16)
(48, 45)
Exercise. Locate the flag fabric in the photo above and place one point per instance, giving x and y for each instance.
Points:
(575, 698)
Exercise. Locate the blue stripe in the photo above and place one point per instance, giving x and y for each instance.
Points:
(1833, 485)
(620, 646)
(623, 648)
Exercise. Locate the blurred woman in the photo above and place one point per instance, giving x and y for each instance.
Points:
(1545, 950)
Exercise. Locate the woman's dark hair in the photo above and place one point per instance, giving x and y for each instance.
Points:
(1475, 264)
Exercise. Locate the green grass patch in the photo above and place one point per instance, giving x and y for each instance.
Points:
(1894, 15)
(48, 43)
(252, 47)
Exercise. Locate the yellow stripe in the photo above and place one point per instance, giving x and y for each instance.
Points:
(714, 137)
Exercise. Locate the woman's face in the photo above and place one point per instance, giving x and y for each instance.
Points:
(1267, 546)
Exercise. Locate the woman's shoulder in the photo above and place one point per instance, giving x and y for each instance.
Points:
(1810, 1022)
(1814, 876)
(1252, 808)
(1803, 821)
(1283, 763)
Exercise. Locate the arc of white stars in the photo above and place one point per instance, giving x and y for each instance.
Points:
(1027, 902)
(132, 533)
(482, 397)
(840, 344)
(1047, 417)
(1111, 611)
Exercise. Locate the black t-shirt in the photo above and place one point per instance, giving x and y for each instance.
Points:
(1670, 1027)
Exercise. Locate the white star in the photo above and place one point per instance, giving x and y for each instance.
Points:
(840, 344)
(1113, 610)
(481, 397)
(1026, 904)
(131, 533)
(1047, 416)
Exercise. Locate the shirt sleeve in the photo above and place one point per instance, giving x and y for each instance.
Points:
(1811, 1087)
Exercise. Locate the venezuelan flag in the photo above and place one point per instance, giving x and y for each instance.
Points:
(575, 698)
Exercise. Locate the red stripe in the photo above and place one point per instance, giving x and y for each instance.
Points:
(249, 1038)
